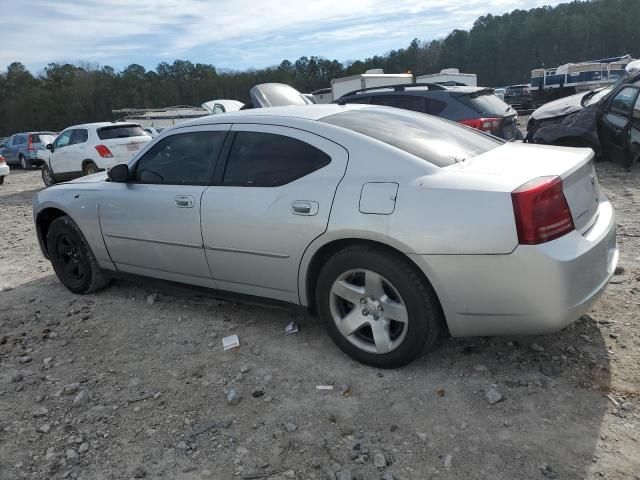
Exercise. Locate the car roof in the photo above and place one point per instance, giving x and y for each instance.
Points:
(102, 124)
(306, 112)
(418, 89)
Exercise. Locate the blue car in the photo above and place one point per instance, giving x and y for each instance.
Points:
(21, 149)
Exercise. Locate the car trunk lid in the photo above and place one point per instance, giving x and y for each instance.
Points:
(123, 149)
(517, 164)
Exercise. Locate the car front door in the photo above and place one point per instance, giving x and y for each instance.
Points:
(77, 151)
(58, 159)
(272, 199)
(615, 125)
(151, 224)
(7, 151)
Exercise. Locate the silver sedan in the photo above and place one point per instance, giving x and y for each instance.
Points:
(394, 226)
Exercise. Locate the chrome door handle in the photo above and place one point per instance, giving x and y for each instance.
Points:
(304, 207)
(184, 201)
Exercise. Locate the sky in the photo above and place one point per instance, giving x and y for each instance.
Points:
(230, 34)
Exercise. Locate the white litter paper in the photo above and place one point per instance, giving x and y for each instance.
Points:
(291, 328)
(324, 387)
(232, 341)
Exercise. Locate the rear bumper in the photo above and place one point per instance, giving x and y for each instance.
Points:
(4, 170)
(536, 289)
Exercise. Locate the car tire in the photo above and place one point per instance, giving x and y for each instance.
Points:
(47, 176)
(72, 258)
(1, 180)
(376, 280)
(90, 168)
(24, 163)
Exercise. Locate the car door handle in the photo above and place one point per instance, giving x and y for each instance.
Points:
(304, 207)
(184, 201)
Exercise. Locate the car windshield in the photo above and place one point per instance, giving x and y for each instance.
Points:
(485, 102)
(120, 131)
(435, 140)
(518, 90)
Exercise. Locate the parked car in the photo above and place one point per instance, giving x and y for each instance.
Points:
(216, 107)
(519, 97)
(21, 149)
(606, 120)
(499, 92)
(92, 147)
(4, 169)
(387, 222)
(475, 107)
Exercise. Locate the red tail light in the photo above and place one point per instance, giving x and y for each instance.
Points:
(541, 210)
(30, 146)
(2, 160)
(484, 124)
(103, 151)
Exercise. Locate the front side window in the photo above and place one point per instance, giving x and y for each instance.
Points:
(268, 160)
(182, 159)
(623, 102)
(63, 139)
(437, 141)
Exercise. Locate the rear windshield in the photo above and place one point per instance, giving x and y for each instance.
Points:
(437, 141)
(120, 131)
(41, 137)
(485, 102)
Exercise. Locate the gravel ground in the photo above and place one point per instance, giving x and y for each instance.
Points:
(130, 383)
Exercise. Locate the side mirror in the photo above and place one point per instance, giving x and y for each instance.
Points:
(50, 146)
(119, 173)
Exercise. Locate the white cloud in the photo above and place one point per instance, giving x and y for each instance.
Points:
(120, 32)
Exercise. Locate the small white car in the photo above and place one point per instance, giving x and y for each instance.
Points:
(4, 169)
(90, 148)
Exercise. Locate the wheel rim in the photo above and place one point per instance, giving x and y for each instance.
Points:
(368, 311)
(69, 259)
(46, 176)
(91, 170)
(23, 163)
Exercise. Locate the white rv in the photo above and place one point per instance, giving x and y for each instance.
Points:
(369, 79)
(449, 75)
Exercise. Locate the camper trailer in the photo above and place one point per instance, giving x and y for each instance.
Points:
(450, 76)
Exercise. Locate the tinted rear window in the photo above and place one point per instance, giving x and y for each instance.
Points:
(485, 103)
(437, 141)
(517, 90)
(120, 131)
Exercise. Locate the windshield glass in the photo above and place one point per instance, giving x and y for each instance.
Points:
(485, 102)
(120, 131)
(594, 97)
(437, 141)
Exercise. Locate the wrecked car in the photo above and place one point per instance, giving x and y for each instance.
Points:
(606, 120)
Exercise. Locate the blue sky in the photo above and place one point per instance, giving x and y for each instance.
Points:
(231, 34)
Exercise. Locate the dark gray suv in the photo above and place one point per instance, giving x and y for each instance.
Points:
(476, 107)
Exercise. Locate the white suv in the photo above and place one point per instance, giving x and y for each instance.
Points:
(86, 149)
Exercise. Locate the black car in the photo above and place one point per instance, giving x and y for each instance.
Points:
(606, 120)
(519, 97)
(473, 106)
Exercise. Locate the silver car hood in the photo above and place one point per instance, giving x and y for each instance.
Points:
(96, 177)
(560, 107)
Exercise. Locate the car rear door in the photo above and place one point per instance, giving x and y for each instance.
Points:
(614, 127)
(8, 152)
(151, 225)
(271, 200)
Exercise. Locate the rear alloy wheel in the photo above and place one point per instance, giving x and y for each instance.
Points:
(376, 307)
(90, 168)
(24, 163)
(47, 176)
(72, 258)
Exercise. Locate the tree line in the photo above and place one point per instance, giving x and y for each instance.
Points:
(500, 49)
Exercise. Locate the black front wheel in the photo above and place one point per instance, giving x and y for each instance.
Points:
(72, 258)
(47, 176)
(24, 163)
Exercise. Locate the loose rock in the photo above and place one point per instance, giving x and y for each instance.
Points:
(40, 412)
(448, 461)
(139, 472)
(44, 428)
(492, 395)
(379, 460)
(151, 299)
(537, 348)
(290, 427)
(84, 447)
(344, 475)
(71, 389)
(81, 399)
(233, 396)
(627, 407)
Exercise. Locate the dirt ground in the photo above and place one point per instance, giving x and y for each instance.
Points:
(115, 385)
